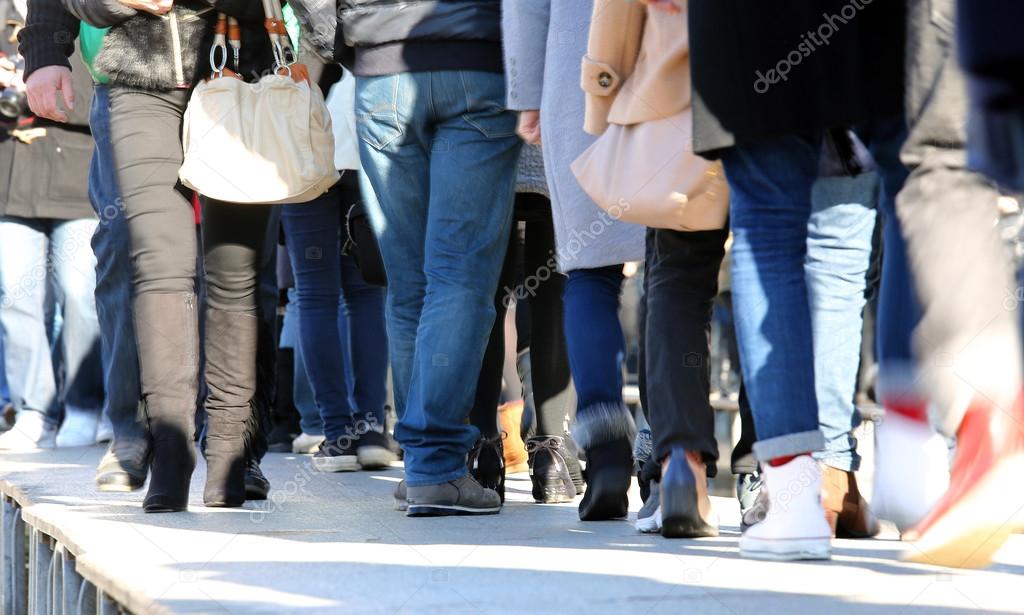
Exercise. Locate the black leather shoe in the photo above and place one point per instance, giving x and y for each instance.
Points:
(487, 465)
(549, 470)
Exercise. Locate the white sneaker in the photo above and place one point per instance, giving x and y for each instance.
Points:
(648, 518)
(78, 429)
(306, 443)
(794, 527)
(911, 470)
(30, 432)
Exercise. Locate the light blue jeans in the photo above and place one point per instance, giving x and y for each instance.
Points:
(839, 248)
(439, 152)
(44, 260)
(112, 248)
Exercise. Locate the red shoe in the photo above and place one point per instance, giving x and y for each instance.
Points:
(982, 506)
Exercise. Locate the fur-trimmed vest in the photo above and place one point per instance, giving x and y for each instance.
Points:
(171, 51)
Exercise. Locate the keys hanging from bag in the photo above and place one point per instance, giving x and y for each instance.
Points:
(265, 142)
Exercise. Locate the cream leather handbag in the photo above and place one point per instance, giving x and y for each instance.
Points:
(264, 142)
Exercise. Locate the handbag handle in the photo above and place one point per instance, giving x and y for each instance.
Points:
(228, 33)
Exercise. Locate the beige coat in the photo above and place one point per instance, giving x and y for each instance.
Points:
(631, 72)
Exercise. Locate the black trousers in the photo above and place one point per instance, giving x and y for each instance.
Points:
(530, 277)
(681, 282)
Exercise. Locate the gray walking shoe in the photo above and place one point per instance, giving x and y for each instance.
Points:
(401, 503)
(462, 496)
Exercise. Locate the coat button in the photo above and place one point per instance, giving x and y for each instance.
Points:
(604, 80)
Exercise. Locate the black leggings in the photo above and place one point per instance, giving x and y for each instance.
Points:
(530, 277)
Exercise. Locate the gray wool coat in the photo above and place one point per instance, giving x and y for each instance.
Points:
(544, 41)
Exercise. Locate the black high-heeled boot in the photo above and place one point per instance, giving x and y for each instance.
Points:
(167, 334)
(231, 339)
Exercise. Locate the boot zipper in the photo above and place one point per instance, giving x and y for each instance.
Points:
(193, 350)
(179, 71)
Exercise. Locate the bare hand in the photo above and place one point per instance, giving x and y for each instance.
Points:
(156, 7)
(669, 6)
(529, 126)
(43, 85)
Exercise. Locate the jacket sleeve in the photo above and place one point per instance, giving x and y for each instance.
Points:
(48, 38)
(616, 30)
(525, 38)
(319, 21)
(99, 13)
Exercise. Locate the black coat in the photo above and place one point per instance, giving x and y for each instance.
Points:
(739, 47)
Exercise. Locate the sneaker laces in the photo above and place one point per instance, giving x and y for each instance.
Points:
(551, 443)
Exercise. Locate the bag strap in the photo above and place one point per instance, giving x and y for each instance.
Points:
(284, 54)
(229, 33)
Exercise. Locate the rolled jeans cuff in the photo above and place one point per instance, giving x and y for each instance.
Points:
(847, 462)
(788, 445)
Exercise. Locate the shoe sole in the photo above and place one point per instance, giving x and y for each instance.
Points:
(786, 550)
(375, 457)
(118, 487)
(346, 463)
(256, 493)
(447, 510)
(976, 527)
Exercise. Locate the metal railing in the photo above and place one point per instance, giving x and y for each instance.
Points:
(39, 576)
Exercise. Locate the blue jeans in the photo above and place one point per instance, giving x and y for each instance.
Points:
(40, 257)
(302, 390)
(341, 317)
(839, 246)
(112, 247)
(771, 184)
(439, 152)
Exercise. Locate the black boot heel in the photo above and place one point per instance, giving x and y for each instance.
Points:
(171, 465)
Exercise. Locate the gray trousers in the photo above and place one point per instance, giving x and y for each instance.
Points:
(145, 130)
(968, 342)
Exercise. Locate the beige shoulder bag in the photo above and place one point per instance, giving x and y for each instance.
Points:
(264, 142)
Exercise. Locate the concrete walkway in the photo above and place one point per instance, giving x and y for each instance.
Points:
(333, 544)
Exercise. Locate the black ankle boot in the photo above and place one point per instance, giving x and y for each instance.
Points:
(167, 334)
(549, 469)
(487, 464)
(609, 473)
(231, 339)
